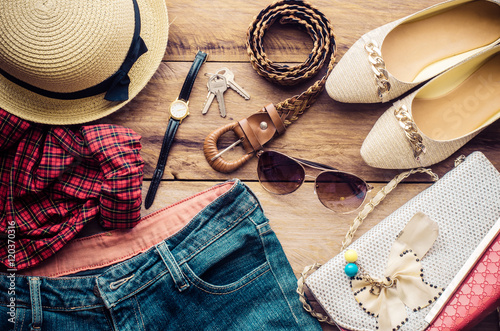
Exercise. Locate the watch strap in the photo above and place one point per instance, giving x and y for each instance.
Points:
(191, 76)
(173, 124)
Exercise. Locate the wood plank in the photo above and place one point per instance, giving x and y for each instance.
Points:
(224, 25)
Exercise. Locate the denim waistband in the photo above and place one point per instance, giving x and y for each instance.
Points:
(232, 203)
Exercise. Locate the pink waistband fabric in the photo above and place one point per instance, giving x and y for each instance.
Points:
(115, 246)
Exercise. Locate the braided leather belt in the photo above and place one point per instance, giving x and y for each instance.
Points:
(256, 130)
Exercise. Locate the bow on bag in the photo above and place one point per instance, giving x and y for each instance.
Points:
(404, 283)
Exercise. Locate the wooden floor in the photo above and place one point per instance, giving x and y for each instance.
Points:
(329, 132)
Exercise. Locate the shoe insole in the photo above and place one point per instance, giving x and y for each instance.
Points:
(439, 40)
(473, 102)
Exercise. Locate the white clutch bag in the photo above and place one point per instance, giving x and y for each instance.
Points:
(410, 257)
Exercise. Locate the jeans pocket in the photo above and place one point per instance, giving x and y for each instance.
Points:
(230, 262)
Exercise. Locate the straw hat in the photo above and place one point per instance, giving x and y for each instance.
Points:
(68, 61)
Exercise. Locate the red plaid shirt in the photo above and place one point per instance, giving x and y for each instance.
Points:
(54, 180)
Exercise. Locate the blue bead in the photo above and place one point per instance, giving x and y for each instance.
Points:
(351, 269)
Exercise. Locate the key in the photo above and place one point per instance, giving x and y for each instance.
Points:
(210, 96)
(228, 74)
(208, 102)
(217, 85)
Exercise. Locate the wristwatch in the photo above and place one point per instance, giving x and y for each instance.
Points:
(179, 110)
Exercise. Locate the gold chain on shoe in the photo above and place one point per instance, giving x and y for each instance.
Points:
(378, 68)
(411, 131)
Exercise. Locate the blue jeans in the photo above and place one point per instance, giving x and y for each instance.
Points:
(224, 269)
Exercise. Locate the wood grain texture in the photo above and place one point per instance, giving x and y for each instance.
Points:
(329, 132)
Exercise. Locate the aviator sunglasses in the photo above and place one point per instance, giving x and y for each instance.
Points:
(339, 191)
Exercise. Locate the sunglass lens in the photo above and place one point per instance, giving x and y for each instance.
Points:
(340, 192)
(278, 173)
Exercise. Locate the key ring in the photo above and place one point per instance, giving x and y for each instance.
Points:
(253, 132)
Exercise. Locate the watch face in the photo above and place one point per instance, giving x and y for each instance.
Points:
(179, 109)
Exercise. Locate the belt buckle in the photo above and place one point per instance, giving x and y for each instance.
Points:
(214, 156)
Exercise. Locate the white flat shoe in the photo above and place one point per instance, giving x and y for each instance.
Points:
(392, 59)
(432, 123)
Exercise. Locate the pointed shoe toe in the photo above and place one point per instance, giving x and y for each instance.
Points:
(429, 125)
(394, 58)
(353, 80)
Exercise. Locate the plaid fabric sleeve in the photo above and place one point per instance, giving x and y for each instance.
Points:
(116, 149)
(57, 179)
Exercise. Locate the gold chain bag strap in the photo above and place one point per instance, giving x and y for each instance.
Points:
(367, 209)
(256, 130)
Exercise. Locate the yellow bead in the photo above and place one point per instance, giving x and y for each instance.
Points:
(351, 255)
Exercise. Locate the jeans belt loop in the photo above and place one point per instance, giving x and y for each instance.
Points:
(36, 304)
(173, 267)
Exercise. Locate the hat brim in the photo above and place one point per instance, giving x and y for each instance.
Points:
(37, 108)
